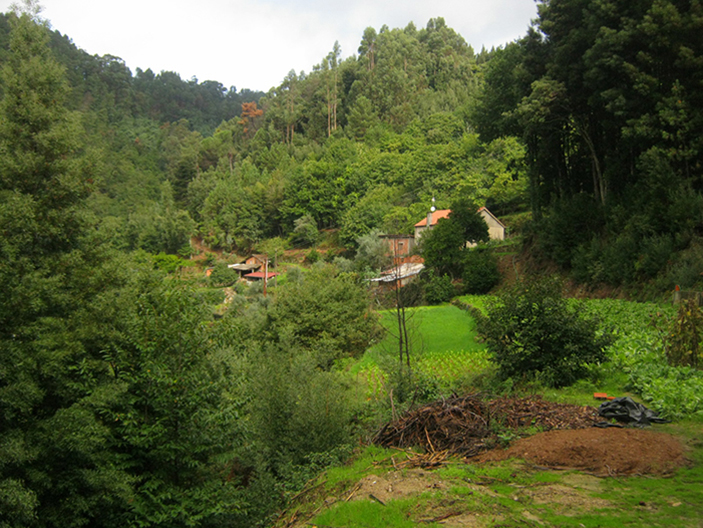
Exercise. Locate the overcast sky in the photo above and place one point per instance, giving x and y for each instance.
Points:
(255, 43)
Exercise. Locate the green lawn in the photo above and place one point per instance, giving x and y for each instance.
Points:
(443, 346)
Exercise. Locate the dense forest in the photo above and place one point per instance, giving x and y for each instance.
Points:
(124, 401)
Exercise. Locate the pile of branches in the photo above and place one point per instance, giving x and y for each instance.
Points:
(468, 425)
(515, 413)
(456, 425)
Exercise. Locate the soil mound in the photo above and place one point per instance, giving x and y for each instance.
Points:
(602, 452)
(471, 427)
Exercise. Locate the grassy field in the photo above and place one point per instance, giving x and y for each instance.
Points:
(443, 348)
(513, 493)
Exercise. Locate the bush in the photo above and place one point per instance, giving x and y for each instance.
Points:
(480, 271)
(222, 275)
(410, 386)
(438, 289)
(532, 330)
(312, 257)
(168, 263)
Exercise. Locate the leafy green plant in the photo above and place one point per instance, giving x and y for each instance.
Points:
(168, 263)
(480, 271)
(532, 330)
(312, 256)
(438, 288)
(222, 275)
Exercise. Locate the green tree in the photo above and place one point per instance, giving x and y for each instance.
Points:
(305, 233)
(366, 215)
(372, 252)
(171, 425)
(327, 314)
(532, 330)
(444, 246)
(54, 465)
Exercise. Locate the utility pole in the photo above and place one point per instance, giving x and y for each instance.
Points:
(266, 272)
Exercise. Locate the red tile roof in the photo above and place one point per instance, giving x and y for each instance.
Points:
(260, 275)
(440, 213)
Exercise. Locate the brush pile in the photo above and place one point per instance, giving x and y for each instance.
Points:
(455, 425)
(514, 413)
(468, 425)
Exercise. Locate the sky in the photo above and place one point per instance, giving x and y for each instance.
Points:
(255, 43)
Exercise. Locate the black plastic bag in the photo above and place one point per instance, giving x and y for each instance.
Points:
(628, 411)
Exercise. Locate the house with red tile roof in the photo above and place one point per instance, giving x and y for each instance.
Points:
(496, 229)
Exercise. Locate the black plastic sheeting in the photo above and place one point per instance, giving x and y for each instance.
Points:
(628, 411)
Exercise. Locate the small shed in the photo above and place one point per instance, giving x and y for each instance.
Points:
(249, 265)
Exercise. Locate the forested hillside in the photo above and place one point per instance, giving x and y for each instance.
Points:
(606, 98)
(589, 122)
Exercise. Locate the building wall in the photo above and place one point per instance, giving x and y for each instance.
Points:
(496, 231)
(399, 246)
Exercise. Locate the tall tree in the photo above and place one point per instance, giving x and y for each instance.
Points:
(53, 466)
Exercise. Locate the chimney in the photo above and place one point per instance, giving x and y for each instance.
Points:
(429, 215)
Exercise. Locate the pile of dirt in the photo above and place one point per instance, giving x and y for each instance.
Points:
(601, 452)
(468, 425)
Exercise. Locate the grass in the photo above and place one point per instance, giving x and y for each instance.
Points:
(511, 493)
(437, 329)
(367, 513)
(443, 347)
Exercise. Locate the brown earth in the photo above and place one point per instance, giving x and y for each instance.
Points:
(470, 427)
(594, 451)
(601, 452)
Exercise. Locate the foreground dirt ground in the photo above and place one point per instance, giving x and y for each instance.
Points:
(568, 466)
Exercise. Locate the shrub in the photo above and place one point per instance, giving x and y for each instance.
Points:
(222, 275)
(438, 289)
(480, 271)
(168, 263)
(312, 257)
(410, 385)
(532, 330)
